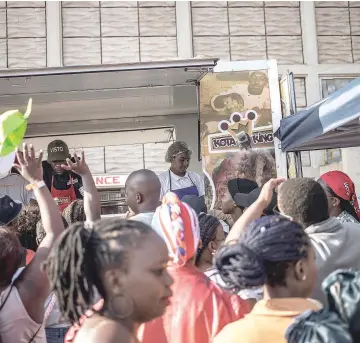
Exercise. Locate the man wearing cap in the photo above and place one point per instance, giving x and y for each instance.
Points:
(64, 186)
(242, 193)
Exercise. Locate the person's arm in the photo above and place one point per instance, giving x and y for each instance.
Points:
(33, 285)
(255, 211)
(47, 173)
(92, 207)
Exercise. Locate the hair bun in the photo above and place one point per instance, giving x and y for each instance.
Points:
(240, 267)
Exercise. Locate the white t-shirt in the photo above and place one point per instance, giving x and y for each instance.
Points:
(145, 218)
(13, 185)
(178, 182)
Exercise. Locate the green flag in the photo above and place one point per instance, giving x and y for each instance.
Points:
(13, 126)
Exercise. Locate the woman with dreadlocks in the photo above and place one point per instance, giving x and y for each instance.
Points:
(199, 309)
(277, 254)
(211, 237)
(22, 301)
(56, 327)
(125, 261)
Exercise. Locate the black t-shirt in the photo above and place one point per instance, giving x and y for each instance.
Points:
(62, 182)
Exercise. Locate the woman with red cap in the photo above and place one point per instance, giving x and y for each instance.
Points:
(198, 309)
(341, 196)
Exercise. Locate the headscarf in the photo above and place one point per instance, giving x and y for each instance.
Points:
(177, 223)
(342, 186)
(322, 327)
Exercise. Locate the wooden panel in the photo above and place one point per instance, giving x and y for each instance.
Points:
(95, 159)
(336, 49)
(332, 21)
(120, 49)
(210, 21)
(157, 22)
(81, 23)
(26, 22)
(285, 49)
(27, 53)
(81, 51)
(212, 46)
(283, 21)
(240, 19)
(119, 22)
(158, 48)
(300, 90)
(123, 159)
(248, 48)
(154, 154)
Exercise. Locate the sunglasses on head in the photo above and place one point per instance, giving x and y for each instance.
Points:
(276, 211)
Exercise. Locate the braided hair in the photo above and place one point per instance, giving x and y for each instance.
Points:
(74, 212)
(262, 254)
(77, 260)
(208, 231)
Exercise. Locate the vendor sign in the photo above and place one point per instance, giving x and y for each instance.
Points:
(235, 123)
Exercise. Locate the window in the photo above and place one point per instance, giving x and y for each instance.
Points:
(332, 156)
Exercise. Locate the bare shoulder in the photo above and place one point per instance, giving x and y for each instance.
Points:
(98, 329)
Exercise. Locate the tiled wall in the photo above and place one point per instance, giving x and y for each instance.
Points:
(22, 34)
(300, 90)
(338, 31)
(246, 30)
(118, 31)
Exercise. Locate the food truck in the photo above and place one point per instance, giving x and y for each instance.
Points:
(124, 116)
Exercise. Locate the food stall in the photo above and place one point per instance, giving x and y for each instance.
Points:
(125, 115)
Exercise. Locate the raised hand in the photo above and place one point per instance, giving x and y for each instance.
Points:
(29, 166)
(268, 188)
(79, 167)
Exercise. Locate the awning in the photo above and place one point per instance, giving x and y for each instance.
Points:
(105, 91)
(334, 122)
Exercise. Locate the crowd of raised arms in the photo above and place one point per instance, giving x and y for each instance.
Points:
(280, 263)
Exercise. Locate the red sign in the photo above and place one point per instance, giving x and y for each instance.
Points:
(110, 180)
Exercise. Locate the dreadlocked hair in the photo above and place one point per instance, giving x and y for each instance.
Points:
(74, 212)
(262, 255)
(80, 255)
(208, 231)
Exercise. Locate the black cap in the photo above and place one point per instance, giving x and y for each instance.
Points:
(58, 151)
(9, 209)
(246, 200)
(239, 185)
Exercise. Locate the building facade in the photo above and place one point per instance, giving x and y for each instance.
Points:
(319, 41)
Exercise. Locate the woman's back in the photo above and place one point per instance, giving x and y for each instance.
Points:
(13, 311)
(199, 309)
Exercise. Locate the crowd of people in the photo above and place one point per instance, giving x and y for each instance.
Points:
(173, 272)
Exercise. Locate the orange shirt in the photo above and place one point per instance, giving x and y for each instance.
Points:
(267, 322)
(199, 309)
